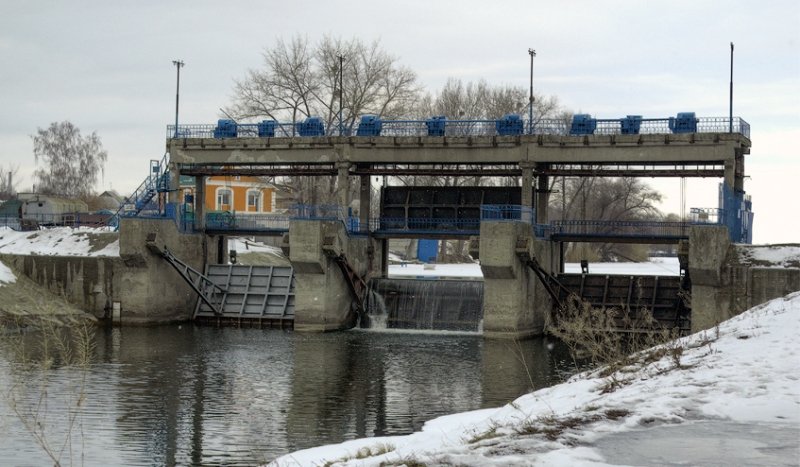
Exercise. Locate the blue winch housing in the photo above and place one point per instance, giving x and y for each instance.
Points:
(436, 125)
(685, 122)
(510, 124)
(311, 126)
(266, 128)
(631, 124)
(582, 124)
(225, 129)
(370, 125)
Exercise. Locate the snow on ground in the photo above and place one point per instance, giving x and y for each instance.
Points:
(655, 267)
(782, 256)
(6, 275)
(244, 245)
(60, 241)
(731, 396)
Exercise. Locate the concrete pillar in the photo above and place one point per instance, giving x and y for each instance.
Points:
(708, 252)
(343, 184)
(323, 301)
(199, 203)
(365, 200)
(514, 304)
(542, 197)
(527, 184)
(730, 173)
(175, 195)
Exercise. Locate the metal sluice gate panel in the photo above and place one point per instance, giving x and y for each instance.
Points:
(662, 296)
(254, 295)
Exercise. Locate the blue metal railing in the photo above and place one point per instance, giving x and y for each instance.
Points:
(507, 212)
(557, 127)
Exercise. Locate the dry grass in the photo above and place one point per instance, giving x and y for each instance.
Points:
(26, 303)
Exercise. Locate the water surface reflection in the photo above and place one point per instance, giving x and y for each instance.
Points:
(199, 395)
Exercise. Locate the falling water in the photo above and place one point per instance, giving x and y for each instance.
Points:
(450, 305)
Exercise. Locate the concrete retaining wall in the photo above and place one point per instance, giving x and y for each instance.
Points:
(86, 282)
(144, 286)
(725, 283)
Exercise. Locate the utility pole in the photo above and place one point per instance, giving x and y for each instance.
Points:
(341, 90)
(532, 53)
(730, 99)
(178, 65)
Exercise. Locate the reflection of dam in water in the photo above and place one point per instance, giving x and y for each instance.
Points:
(447, 305)
(199, 395)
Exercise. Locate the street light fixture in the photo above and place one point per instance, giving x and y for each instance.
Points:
(532, 53)
(178, 65)
(730, 108)
(341, 90)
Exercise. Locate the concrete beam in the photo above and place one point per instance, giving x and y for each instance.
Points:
(706, 147)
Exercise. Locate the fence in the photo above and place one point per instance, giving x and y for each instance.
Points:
(557, 127)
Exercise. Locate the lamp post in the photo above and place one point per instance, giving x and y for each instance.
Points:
(730, 99)
(532, 53)
(178, 65)
(341, 91)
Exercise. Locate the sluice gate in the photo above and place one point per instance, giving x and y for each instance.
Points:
(254, 295)
(665, 297)
(424, 304)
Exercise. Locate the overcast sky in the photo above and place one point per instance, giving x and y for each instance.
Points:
(107, 67)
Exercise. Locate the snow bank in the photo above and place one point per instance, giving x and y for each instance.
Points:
(60, 241)
(781, 256)
(654, 267)
(745, 371)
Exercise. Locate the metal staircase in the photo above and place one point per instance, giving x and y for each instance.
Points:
(157, 181)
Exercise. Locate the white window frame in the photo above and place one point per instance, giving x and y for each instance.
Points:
(219, 192)
(259, 200)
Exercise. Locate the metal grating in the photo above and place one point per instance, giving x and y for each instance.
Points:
(260, 293)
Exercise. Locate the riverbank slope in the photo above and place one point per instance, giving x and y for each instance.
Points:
(727, 396)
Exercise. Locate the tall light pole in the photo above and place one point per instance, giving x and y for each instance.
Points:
(532, 53)
(730, 99)
(178, 65)
(341, 90)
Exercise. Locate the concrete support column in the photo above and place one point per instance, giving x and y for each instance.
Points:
(527, 184)
(365, 200)
(323, 301)
(542, 196)
(343, 184)
(175, 195)
(730, 174)
(738, 171)
(514, 303)
(199, 203)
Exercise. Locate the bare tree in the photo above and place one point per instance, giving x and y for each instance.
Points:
(71, 162)
(299, 80)
(605, 199)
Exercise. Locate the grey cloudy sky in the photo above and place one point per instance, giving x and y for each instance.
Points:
(106, 66)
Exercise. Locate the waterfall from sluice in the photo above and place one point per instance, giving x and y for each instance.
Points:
(424, 304)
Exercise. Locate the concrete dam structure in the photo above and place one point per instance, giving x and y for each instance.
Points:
(335, 250)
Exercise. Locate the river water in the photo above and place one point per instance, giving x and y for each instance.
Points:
(190, 395)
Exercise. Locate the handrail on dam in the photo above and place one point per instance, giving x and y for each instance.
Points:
(564, 230)
(440, 126)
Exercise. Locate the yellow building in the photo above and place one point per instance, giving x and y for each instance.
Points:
(242, 194)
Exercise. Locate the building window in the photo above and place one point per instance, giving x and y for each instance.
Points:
(253, 200)
(224, 199)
